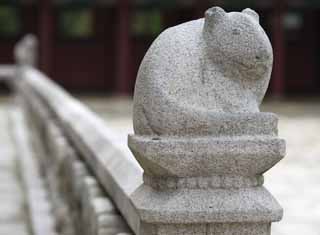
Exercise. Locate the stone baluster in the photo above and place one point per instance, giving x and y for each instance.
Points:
(199, 135)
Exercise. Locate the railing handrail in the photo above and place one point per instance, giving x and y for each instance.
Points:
(115, 168)
(7, 71)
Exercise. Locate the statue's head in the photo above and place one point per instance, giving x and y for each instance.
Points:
(238, 38)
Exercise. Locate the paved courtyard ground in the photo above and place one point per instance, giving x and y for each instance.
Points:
(295, 181)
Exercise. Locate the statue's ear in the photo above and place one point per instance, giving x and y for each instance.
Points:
(214, 15)
(251, 13)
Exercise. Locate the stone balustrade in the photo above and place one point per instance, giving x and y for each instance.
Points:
(201, 160)
(79, 191)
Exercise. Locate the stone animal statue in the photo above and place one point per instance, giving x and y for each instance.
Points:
(203, 71)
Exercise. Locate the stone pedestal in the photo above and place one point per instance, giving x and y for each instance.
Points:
(208, 184)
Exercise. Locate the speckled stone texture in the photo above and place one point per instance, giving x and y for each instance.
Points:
(199, 135)
(197, 72)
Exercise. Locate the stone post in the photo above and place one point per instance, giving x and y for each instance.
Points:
(199, 135)
(26, 51)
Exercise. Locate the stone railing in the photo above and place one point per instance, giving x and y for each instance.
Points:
(88, 176)
(202, 170)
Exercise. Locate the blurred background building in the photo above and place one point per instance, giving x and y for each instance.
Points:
(97, 45)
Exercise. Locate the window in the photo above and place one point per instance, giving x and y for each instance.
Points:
(10, 22)
(76, 23)
(147, 23)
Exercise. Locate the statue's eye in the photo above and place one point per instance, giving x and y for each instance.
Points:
(236, 31)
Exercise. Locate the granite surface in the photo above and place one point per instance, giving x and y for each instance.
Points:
(198, 131)
(198, 71)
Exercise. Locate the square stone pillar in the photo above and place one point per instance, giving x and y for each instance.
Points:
(199, 135)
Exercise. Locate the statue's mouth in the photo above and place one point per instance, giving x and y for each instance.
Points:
(253, 66)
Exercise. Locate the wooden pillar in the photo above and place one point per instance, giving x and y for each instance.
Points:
(124, 73)
(278, 34)
(46, 37)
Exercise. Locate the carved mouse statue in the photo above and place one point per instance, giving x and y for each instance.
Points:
(201, 70)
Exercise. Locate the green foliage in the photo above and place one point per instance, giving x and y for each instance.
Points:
(76, 23)
(147, 22)
(10, 24)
